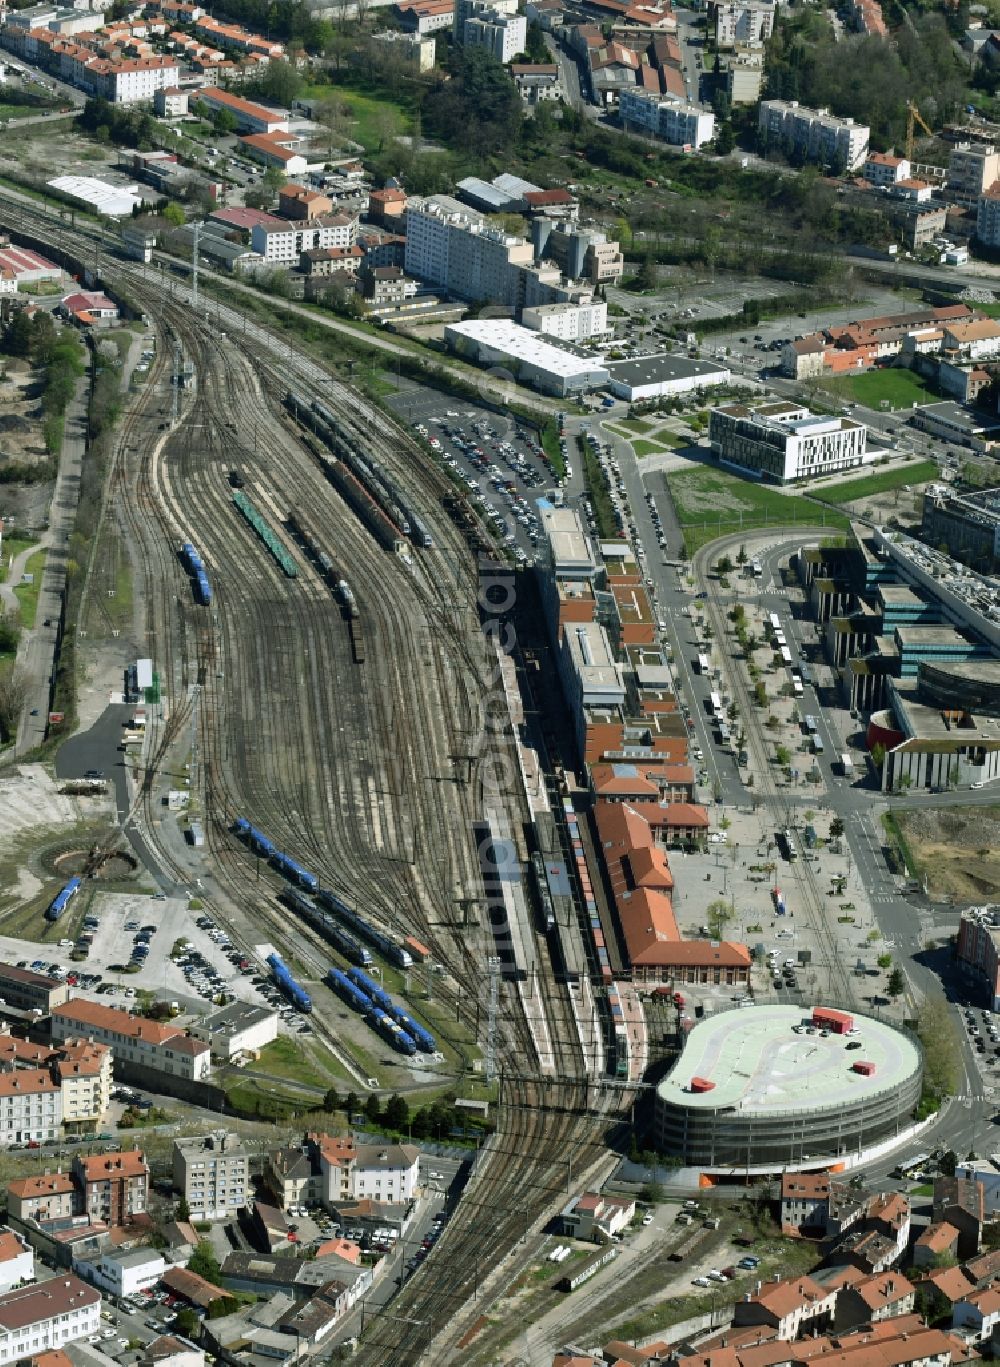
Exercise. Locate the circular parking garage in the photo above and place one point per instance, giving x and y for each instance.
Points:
(784, 1086)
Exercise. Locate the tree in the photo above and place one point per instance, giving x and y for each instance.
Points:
(718, 915)
(204, 1263)
(396, 1115)
(836, 828)
(281, 83)
(187, 1323)
(17, 335)
(174, 215)
(352, 1104)
(783, 755)
(653, 1193)
(373, 1109)
(724, 565)
(333, 1100)
(896, 985)
(183, 1211)
(878, 755)
(741, 556)
(941, 1050)
(223, 120)
(884, 961)
(947, 1163)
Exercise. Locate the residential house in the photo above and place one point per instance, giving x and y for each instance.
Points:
(961, 1203)
(938, 1241)
(596, 1217)
(805, 1201)
(114, 1187)
(49, 1197)
(883, 1296)
(17, 1261)
(791, 1308)
(979, 1314)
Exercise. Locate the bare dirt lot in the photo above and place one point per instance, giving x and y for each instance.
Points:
(957, 849)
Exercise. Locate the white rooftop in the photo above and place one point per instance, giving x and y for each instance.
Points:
(572, 556)
(757, 1062)
(115, 200)
(525, 345)
(594, 662)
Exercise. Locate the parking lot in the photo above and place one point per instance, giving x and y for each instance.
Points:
(138, 942)
(499, 460)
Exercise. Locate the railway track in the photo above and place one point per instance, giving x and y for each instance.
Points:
(351, 768)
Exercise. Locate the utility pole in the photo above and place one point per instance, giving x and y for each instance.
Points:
(175, 401)
(196, 232)
(193, 761)
(490, 1061)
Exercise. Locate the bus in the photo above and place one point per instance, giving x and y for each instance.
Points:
(716, 704)
(702, 665)
(779, 639)
(758, 569)
(797, 688)
(817, 745)
(786, 656)
(806, 673)
(909, 1167)
(810, 725)
(775, 622)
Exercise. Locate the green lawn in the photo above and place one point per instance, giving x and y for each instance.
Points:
(918, 473)
(27, 594)
(371, 116)
(648, 448)
(710, 503)
(897, 388)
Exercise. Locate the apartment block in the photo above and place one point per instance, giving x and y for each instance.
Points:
(125, 1272)
(165, 1048)
(73, 1082)
(978, 950)
(464, 10)
(456, 249)
(675, 121)
(43, 1318)
(814, 134)
(503, 36)
(744, 76)
(212, 1173)
(333, 1170)
(282, 244)
(569, 322)
(746, 22)
(113, 1187)
(988, 216)
(580, 253)
(973, 167)
(784, 442)
(415, 49)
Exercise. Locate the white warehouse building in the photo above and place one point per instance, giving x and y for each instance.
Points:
(662, 116)
(568, 322)
(816, 134)
(551, 369)
(781, 441)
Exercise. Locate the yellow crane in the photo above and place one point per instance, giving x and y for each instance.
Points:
(913, 116)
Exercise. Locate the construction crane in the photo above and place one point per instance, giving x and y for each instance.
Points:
(913, 116)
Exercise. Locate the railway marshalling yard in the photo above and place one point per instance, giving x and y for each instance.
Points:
(371, 774)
